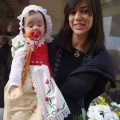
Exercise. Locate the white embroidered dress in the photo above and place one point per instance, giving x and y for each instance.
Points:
(40, 98)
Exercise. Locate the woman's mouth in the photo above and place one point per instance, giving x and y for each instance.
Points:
(79, 26)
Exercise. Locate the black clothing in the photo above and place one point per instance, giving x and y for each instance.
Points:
(71, 64)
(5, 50)
(87, 80)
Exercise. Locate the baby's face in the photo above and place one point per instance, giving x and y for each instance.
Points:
(34, 22)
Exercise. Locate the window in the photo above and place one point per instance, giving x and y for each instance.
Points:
(111, 18)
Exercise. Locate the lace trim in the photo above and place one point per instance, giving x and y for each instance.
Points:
(42, 41)
(41, 97)
(57, 63)
(35, 8)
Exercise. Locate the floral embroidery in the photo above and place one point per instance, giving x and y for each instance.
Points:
(58, 110)
(34, 107)
(20, 44)
(46, 99)
(49, 101)
(14, 95)
(47, 82)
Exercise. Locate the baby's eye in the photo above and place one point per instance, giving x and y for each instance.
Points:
(30, 26)
(39, 25)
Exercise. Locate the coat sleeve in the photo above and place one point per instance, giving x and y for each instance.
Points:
(98, 89)
(79, 84)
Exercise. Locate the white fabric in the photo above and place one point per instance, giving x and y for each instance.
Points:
(19, 52)
(18, 63)
(35, 8)
(48, 94)
(45, 87)
(21, 105)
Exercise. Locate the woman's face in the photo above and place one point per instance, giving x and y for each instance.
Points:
(79, 19)
(34, 22)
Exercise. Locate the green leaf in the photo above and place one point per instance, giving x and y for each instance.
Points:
(78, 117)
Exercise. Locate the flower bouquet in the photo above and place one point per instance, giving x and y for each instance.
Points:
(102, 108)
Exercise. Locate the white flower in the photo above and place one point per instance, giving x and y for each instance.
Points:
(114, 104)
(93, 113)
(118, 105)
(103, 108)
(111, 116)
(101, 112)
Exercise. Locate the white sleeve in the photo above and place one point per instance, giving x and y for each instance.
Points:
(18, 62)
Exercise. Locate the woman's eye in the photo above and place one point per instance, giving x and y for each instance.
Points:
(84, 11)
(72, 12)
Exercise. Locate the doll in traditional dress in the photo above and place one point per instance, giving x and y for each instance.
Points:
(31, 92)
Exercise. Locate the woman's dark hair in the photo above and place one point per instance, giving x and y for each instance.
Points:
(96, 36)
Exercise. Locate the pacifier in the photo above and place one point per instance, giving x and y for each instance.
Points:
(36, 34)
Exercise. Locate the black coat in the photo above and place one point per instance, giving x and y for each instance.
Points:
(82, 82)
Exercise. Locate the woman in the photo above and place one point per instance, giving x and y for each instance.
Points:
(78, 57)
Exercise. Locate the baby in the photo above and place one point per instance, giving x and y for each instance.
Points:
(31, 93)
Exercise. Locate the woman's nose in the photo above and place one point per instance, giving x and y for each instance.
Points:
(78, 15)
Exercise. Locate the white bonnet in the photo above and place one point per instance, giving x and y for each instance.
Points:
(27, 9)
